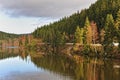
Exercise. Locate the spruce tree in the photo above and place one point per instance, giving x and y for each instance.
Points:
(63, 38)
(87, 22)
(79, 35)
(109, 32)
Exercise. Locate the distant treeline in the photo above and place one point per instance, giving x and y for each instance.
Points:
(5, 36)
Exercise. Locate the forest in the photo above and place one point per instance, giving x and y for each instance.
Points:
(100, 23)
(4, 35)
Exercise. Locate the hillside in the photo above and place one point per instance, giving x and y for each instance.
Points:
(97, 12)
(4, 35)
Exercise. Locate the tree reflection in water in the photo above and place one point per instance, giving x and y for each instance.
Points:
(76, 67)
(84, 69)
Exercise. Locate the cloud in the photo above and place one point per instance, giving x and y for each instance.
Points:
(43, 8)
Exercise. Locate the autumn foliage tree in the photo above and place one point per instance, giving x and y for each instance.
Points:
(102, 35)
(88, 32)
(95, 34)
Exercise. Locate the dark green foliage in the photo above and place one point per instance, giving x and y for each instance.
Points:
(4, 35)
(109, 32)
(101, 8)
(96, 12)
(117, 25)
(118, 20)
(63, 38)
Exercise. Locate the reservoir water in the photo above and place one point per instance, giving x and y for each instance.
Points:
(18, 64)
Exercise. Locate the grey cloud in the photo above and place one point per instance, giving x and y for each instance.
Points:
(43, 8)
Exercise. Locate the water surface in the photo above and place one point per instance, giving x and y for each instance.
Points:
(22, 65)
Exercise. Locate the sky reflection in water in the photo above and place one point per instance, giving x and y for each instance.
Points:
(18, 69)
(22, 65)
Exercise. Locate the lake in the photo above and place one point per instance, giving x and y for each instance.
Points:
(18, 64)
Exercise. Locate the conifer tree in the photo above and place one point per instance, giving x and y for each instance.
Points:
(102, 34)
(79, 35)
(63, 38)
(87, 22)
(88, 32)
(109, 32)
(95, 34)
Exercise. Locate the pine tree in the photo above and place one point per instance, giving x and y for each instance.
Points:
(79, 35)
(109, 32)
(63, 38)
(87, 22)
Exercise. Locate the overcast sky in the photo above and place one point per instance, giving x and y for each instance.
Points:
(23, 16)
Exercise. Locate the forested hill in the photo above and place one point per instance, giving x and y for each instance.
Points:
(4, 35)
(97, 12)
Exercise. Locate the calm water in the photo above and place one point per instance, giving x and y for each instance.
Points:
(23, 65)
